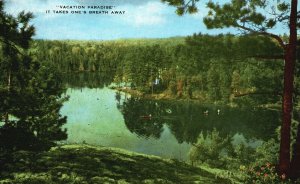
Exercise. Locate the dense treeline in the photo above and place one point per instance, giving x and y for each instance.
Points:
(211, 68)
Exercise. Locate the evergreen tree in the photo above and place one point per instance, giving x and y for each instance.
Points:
(30, 92)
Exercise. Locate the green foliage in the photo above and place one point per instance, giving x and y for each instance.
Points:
(204, 64)
(183, 6)
(265, 174)
(218, 82)
(226, 154)
(30, 90)
(210, 149)
(249, 164)
(15, 30)
(242, 14)
(267, 152)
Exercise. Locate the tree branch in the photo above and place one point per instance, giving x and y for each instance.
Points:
(11, 45)
(252, 31)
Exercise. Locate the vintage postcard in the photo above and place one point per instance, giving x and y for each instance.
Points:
(149, 91)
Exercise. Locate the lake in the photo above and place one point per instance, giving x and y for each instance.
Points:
(102, 116)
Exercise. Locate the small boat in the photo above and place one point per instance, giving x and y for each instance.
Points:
(146, 117)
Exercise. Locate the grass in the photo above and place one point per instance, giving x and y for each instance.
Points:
(88, 164)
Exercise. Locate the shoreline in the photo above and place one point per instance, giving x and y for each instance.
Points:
(198, 100)
(159, 96)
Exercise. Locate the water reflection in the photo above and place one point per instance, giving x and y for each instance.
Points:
(88, 79)
(101, 116)
(100, 122)
(187, 120)
(144, 119)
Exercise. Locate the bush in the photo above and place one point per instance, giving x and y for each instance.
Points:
(265, 174)
(267, 152)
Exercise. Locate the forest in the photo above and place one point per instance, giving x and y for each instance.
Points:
(220, 69)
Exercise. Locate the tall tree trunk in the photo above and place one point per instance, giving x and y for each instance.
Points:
(287, 106)
(295, 163)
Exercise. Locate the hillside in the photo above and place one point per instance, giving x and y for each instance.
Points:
(88, 164)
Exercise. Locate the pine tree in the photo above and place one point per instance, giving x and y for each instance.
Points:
(30, 92)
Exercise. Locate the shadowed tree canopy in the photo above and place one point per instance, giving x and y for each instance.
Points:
(30, 90)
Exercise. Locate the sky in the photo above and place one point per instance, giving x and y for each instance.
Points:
(142, 19)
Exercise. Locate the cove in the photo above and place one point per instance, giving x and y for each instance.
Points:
(102, 116)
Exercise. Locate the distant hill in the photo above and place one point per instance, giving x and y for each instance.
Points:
(140, 41)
